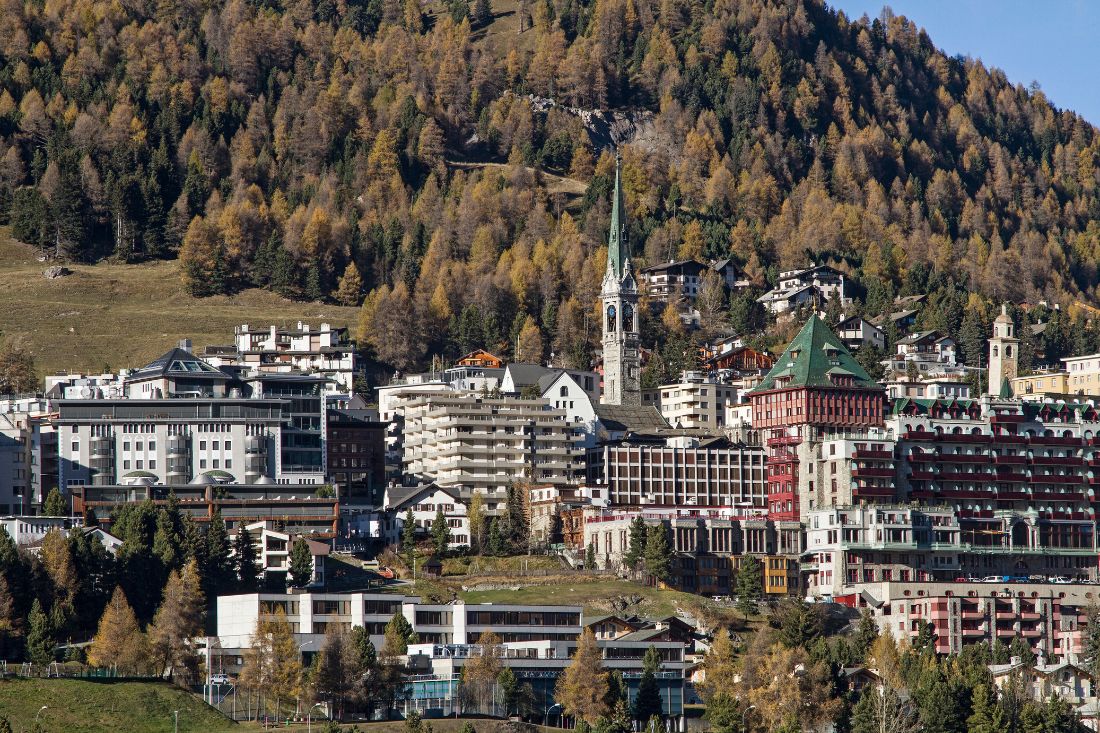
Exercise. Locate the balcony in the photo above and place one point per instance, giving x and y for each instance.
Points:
(1055, 440)
(973, 632)
(862, 472)
(918, 435)
(968, 459)
(930, 476)
(1056, 461)
(874, 455)
(1010, 460)
(973, 615)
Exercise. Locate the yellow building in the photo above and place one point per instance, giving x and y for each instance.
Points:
(1079, 377)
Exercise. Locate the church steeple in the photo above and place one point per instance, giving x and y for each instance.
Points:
(621, 364)
(618, 248)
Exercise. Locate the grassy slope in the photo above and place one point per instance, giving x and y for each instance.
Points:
(126, 315)
(77, 706)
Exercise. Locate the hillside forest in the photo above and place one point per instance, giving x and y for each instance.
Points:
(400, 155)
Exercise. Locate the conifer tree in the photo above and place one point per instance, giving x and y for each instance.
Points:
(40, 635)
(247, 562)
(582, 688)
(219, 571)
(658, 553)
(119, 643)
(398, 635)
(647, 703)
(408, 539)
(301, 564)
(747, 586)
(55, 505)
(177, 623)
(636, 550)
(440, 532)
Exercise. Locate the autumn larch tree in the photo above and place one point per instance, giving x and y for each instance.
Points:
(582, 688)
(177, 623)
(119, 643)
(479, 676)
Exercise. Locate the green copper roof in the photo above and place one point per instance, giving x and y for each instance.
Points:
(1006, 389)
(813, 359)
(618, 248)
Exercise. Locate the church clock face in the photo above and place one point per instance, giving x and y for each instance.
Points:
(610, 318)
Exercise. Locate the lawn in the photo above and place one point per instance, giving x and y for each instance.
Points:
(119, 316)
(81, 706)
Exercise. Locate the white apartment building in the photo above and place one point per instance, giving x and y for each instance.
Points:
(28, 455)
(483, 444)
(30, 530)
(273, 552)
(696, 401)
(179, 418)
(326, 351)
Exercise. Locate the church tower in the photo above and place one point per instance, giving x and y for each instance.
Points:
(1004, 349)
(621, 363)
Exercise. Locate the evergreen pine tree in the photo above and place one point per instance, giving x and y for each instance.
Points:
(636, 549)
(496, 538)
(40, 639)
(408, 539)
(483, 13)
(747, 586)
(55, 505)
(647, 703)
(658, 553)
(246, 560)
(301, 564)
(590, 557)
(219, 564)
(441, 532)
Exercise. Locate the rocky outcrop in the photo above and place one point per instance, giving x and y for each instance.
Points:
(52, 273)
(607, 129)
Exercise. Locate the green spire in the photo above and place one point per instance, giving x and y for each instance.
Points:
(1006, 389)
(618, 249)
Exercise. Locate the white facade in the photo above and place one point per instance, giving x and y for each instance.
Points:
(424, 501)
(326, 351)
(565, 393)
(857, 332)
(484, 444)
(273, 552)
(30, 530)
(812, 286)
(696, 401)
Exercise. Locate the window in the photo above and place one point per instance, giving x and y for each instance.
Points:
(229, 463)
(152, 465)
(202, 463)
(139, 446)
(140, 463)
(152, 445)
(125, 465)
(76, 447)
(216, 463)
(228, 445)
(202, 445)
(214, 445)
(126, 445)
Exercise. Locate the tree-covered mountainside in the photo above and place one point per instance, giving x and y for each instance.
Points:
(308, 147)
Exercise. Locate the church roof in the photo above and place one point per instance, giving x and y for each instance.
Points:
(813, 358)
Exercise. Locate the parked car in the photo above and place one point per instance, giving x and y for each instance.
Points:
(1060, 579)
(219, 679)
(995, 579)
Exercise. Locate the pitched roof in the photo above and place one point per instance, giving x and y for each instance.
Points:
(622, 418)
(398, 496)
(524, 375)
(676, 265)
(813, 358)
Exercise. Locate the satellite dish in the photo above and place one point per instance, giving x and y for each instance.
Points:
(85, 392)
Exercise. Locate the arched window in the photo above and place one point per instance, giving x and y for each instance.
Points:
(994, 351)
(628, 318)
(611, 325)
(1008, 351)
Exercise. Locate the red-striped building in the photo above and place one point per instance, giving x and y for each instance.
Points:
(815, 391)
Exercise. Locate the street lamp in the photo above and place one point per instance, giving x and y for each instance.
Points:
(309, 717)
(301, 663)
(546, 714)
(176, 724)
(744, 717)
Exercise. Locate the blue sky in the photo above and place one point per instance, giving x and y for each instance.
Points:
(1052, 42)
